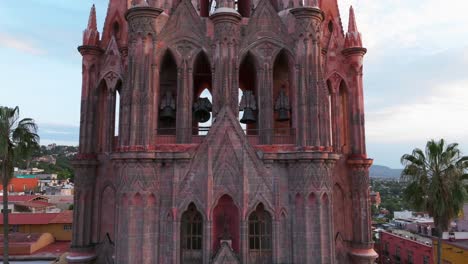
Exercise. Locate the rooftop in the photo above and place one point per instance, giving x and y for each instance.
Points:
(65, 217)
(410, 236)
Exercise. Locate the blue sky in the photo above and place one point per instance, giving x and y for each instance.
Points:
(416, 81)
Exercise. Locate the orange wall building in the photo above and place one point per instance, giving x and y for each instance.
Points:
(57, 224)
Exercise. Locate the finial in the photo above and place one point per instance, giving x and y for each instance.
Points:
(353, 37)
(92, 24)
(91, 34)
(352, 27)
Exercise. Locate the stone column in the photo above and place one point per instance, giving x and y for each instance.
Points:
(82, 249)
(226, 22)
(90, 55)
(312, 92)
(362, 251)
(142, 39)
(355, 56)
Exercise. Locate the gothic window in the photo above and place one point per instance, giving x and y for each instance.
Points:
(192, 229)
(260, 230)
(410, 257)
(425, 259)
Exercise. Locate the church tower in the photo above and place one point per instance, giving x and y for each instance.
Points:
(223, 131)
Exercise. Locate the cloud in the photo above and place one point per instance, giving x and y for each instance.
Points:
(441, 113)
(21, 45)
(422, 26)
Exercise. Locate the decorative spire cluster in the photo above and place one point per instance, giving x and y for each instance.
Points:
(353, 37)
(91, 34)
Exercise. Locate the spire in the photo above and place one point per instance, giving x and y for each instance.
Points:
(92, 24)
(352, 27)
(353, 37)
(91, 34)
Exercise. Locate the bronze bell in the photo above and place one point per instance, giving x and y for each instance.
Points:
(248, 105)
(167, 114)
(283, 114)
(282, 106)
(167, 107)
(248, 117)
(201, 110)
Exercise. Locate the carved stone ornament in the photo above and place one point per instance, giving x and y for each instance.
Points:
(225, 255)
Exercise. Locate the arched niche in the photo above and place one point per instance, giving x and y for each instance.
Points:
(167, 95)
(282, 95)
(202, 82)
(226, 223)
(107, 214)
(325, 226)
(248, 82)
(191, 236)
(339, 213)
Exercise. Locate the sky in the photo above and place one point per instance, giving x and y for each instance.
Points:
(415, 71)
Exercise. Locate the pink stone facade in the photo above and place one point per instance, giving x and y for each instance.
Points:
(290, 186)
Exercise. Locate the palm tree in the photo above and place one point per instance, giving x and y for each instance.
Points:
(435, 183)
(17, 140)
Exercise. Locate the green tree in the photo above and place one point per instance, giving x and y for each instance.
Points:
(435, 183)
(18, 140)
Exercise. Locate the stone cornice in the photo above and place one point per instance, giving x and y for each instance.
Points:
(360, 51)
(308, 12)
(143, 11)
(90, 50)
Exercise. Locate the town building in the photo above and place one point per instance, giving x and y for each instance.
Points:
(22, 185)
(172, 168)
(454, 248)
(462, 220)
(59, 225)
(400, 246)
(30, 204)
(414, 222)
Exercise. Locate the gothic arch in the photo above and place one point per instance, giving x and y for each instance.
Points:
(184, 206)
(216, 201)
(266, 206)
(163, 52)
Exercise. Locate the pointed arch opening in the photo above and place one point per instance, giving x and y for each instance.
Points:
(248, 95)
(282, 95)
(226, 223)
(167, 95)
(343, 117)
(260, 236)
(202, 99)
(244, 7)
(331, 112)
(107, 116)
(191, 235)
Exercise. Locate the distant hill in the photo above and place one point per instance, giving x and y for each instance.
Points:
(379, 171)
